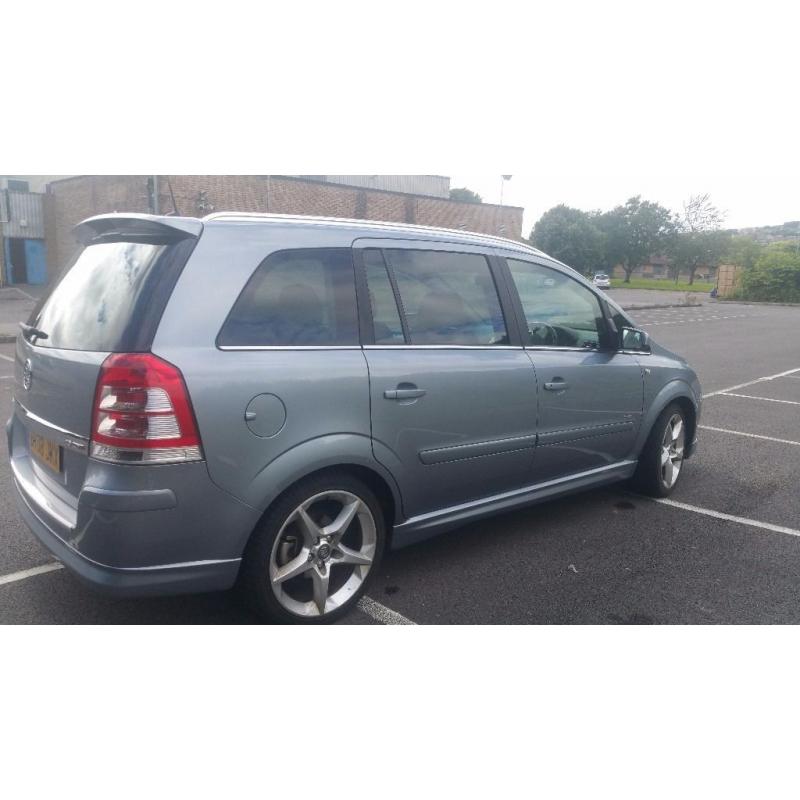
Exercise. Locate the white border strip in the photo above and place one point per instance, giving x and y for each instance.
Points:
(6, 358)
(748, 435)
(372, 608)
(727, 517)
(768, 399)
(29, 573)
(750, 383)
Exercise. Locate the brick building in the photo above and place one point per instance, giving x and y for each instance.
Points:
(69, 200)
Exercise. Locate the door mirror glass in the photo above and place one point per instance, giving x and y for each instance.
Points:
(635, 339)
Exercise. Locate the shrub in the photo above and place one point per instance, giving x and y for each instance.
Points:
(775, 277)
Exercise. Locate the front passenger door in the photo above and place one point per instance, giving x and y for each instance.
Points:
(590, 395)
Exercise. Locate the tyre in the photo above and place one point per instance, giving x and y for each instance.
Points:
(311, 557)
(661, 462)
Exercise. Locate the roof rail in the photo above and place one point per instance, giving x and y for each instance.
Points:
(366, 223)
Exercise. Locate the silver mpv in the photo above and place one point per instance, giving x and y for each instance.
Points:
(270, 401)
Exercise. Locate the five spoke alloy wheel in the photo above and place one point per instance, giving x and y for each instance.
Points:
(323, 553)
(672, 445)
(661, 460)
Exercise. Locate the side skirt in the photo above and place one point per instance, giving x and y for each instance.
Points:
(419, 528)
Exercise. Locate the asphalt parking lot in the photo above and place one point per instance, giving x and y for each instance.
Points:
(725, 548)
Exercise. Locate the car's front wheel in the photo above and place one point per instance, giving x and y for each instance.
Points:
(310, 559)
(661, 462)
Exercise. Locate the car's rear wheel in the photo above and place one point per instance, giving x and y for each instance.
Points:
(313, 554)
(661, 462)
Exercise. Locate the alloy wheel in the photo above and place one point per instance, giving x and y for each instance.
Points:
(672, 450)
(323, 553)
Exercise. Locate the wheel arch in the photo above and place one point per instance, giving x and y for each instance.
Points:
(303, 463)
(676, 391)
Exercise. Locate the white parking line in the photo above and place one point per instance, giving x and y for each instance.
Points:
(754, 523)
(372, 608)
(748, 435)
(6, 358)
(751, 383)
(29, 573)
(754, 397)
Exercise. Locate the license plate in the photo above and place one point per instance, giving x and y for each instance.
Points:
(47, 452)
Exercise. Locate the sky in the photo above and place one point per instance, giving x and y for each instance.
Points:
(747, 200)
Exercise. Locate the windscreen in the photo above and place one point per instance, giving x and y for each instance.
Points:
(108, 299)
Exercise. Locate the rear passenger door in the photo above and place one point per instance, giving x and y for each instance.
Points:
(590, 394)
(452, 392)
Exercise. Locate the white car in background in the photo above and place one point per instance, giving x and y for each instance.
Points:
(602, 281)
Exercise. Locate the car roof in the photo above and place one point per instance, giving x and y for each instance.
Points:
(372, 227)
(368, 228)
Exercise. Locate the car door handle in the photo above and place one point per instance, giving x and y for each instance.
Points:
(403, 394)
(556, 385)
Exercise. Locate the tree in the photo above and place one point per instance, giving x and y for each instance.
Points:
(464, 195)
(571, 236)
(698, 240)
(775, 277)
(636, 231)
(742, 251)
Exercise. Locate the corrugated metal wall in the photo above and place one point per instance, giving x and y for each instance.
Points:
(430, 185)
(21, 215)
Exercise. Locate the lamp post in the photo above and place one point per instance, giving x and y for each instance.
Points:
(502, 186)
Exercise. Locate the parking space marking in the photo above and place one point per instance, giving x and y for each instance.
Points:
(696, 319)
(752, 383)
(30, 573)
(372, 608)
(749, 435)
(6, 358)
(753, 523)
(754, 397)
(379, 612)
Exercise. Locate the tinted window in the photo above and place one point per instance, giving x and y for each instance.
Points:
(448, 298)
(299, 298)
(560, 312)
(385, 316)
(112, 296)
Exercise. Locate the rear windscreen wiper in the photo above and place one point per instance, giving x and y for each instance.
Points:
(29, 332)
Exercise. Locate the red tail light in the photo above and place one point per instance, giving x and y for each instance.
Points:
(142, 413)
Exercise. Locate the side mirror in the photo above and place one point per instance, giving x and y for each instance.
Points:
(634, 339)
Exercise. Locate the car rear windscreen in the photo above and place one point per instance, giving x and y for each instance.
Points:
(112, 297)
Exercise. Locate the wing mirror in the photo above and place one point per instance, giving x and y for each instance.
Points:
(634, 339)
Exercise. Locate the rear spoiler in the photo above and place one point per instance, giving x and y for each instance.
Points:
(106, 227)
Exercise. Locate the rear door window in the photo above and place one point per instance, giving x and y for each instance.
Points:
(296, 298)
(112, 296)
(448, 298)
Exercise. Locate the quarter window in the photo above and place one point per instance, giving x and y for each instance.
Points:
(559, 311)
(385, 317)
(448, 298)
(296, 298)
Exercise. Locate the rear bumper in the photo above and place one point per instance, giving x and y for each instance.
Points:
(198, 576)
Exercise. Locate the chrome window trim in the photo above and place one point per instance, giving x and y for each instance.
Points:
(441, 347)
(229, 347)
(565, 349)
(636, 352)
